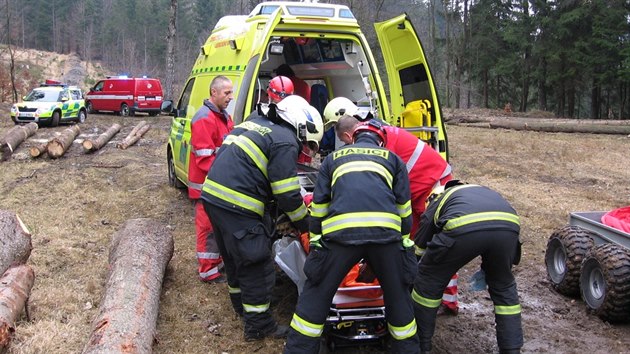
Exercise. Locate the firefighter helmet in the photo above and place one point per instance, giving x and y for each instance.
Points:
(279, 88)
(336, 108)
(373, 127)
(302, 116)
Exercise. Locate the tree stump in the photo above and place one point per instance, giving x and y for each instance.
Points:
(15, 241)
(15, 287)
(59, 145)
(93, 145)
(136, 133)
(14, 137)
(138, 257)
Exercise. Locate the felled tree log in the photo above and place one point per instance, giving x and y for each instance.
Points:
(560, 127)
(14, 137)
(135, 129)
(93, 145)
(136, 133)
(59, 145)
(38, 150)
(138, 257)
(15, 241)
(15, 288)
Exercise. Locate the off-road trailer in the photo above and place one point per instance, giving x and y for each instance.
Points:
(592, 259)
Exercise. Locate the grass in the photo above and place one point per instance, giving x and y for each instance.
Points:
(74, 205)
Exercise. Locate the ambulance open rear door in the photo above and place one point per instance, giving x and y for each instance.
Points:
(414, 99)
(259, 49)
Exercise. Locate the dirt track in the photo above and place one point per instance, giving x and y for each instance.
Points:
(74, 204)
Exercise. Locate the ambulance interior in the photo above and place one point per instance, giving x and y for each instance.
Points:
(331, 67)
(338, 67)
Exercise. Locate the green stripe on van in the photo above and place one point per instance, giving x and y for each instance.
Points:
(219, 69)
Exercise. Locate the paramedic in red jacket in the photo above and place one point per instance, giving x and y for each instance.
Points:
(208, 127)
(300, 86)
(426, 168)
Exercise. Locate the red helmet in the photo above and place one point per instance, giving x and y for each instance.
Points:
(371, 126)
(279, 88)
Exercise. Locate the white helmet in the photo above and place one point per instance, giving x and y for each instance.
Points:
(336, 108)
(302, 116)
(314, 133)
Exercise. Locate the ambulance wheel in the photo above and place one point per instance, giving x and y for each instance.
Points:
(566, 249)
(56, 116)
(172, 177)
(604, 282)
(124, 110)
(82, 116)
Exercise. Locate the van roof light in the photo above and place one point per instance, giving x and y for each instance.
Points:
(276, 48)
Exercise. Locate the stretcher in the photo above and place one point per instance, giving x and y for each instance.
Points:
(357, 313)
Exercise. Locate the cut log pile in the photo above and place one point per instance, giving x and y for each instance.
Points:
(136, 133)
(58, 146)
(16, 278)
(14, 137)
(139, 254)
(128, 311)
(93, 145)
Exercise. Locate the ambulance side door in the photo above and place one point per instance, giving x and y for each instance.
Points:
(180, 131)
(411, 85)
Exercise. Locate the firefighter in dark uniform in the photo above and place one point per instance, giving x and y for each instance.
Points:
(255, 165)
(361, 209)
(461, 222)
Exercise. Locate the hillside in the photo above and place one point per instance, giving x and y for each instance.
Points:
(34, 66)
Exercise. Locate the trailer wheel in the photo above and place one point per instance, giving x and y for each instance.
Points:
(605, 282)
(566, 249)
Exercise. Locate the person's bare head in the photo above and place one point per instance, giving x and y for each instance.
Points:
(221, 92)
(345, 127)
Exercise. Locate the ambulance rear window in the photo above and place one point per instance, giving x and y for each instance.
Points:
(311, 11)
(345, 13)
(268, 9)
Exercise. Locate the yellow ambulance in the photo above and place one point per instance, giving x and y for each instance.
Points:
(323, 44)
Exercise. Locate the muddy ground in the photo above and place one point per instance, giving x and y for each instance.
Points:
(74, 204)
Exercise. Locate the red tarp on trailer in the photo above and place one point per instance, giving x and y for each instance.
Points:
(618, 219)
